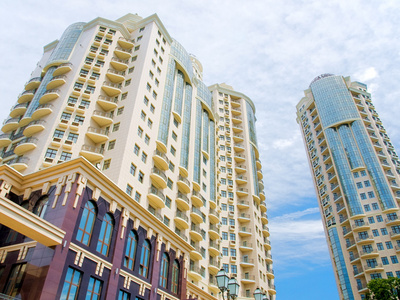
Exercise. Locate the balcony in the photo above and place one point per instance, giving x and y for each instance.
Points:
(62, 69)
(25, 145)
(240, 169)
(49, 95)
(214, 266)
(243, 218)
(241, 179)
(5, 139)
(214, 248)
(196, 215)
(264, 218)
(260, 174)
(33, 83)
(107, 103)
(239, 158)
(238, 138)
(242, 192)
(125, 43)
(373, 268)
(119, 64)
(26, 96)
(262, 197)
(97, 135)
(267, 246)
(10, 124)
(244, 231)
(196, 199)
(195, 232)
(370, 253)
(195, 272)
(56, 81)
(265, 230)
(246, 246)
(236, 119)
(91, 153)
(34, 127)
(395, 234)
(213, 232)
(243, 204)
(18, 163)
(364, 239)
(272, 289)
(248, 279)
(122, 53)
(393, 220)
(181, 219)
(270, 274)
(111, 89)
(361, 226)
(18, 110)
(183, 184)
(237, 128)
(102, 118)
(159, 178)
(156, 197)
(42, 110)
(246, 262)
(182, 202)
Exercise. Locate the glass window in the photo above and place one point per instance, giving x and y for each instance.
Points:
(137, 197)
(130, 251)
(122, 295)
(86, 224)
(132, 169)
(72, 137)
(116, 127)
(394, 259)
(363, 196)
(129, 189)
(384, 231)
(145, 259)
(359, 185)
(367, 183)
(371, 195)
(224, 236)
(375, 206)
(164, 270)
(58, 134)
(225, 251)
(71, 284)
(51, 153)
(65, 156)
(371, 220)
(94, 289)
(366, 207)
(389, 245)
(14, 282)
(379, 218)
(363, 173)
(379, 246)
(175, 277)
(385, 261)
(103, 245)
(375, 232)
(40, 206)
(136, 149)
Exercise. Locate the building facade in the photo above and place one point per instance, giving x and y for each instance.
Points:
(356, 177)
(125, 97)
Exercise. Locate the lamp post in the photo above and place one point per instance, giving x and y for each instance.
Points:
(231, 286)
(258, 295)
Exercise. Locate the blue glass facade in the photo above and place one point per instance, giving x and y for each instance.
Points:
(254, 167)
(197, 143)
(251, 120)
(186, 127)
(205, 130)
(182, 57)
(204, 94)
(212, 161)
(340, 264)
(179, 93)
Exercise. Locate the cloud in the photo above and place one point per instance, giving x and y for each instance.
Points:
(367, 74)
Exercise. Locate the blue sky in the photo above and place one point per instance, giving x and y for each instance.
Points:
(268, 50)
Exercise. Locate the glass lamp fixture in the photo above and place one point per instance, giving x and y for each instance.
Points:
(258, 295)
(222, 280)
(233, 288)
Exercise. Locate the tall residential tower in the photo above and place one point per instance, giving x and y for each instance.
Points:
(356, 177)
(148, 181)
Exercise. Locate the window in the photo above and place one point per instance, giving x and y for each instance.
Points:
(79, 119)
(225, 251)
(173, 150)
(145, 259)
(385, 261)
(72, 100)
(156, 82)
(379, 218)
(143, 115)
(170, 183)
(232, 237)
(65, 156)
(111, 145)
(168, 201)
(134, 58)
(376, 276)
(367, 183)
(233, 252)
(141, 177)
(65, 116)
(232, 222)
(371, 220)
(122, 295)
(389, 245)
(224, 221)
(71, 284)
(73, 137)
(153, 63)
(223, 180)
(394, 259)
(371, 195)
(85, 103)
(103, 245)
(58, 134)
(120, 111)
(131, 70)
(106, 164)
(78, 86)
(231, 208)
(363, 173)
(90, 89)
(366, 207)
(147, 139)
(225, 267)
(129, 190)
(146, 100)
(375, 232)
(151, 74)
(158, 70)
(389, 274)
(224, 236)
(144, 157)
(137, 48)
(359, 185)
(128, 82)
(136, 149)
(141, 29)
(160, 60)
(137, 197)
(51, 153)
(224, 207)
(384, 231)
(363, 196)
(148, 87)
(154, 95)
(171, 166)
(149, 123)
(379, 246)
(356, 175)
(94, 289)
(155, 52)
(86, 224)
(233, 269)
(175, 277)
(152, 108)
(375, 206)
(164, 271)
(223, 193)
(116, 127)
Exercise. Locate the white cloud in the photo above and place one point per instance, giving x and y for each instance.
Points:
(367, 74)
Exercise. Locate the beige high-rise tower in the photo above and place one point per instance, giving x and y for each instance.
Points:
(356, 177)
(129, 99)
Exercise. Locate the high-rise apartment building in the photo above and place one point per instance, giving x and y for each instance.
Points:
(356, 176)
(169, 189)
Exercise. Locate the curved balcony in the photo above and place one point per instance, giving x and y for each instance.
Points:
(265, 230)
(237, 128)
(156, 197)
(119, 64)
(62, 69)
(25, 145)
(183, 184)
(270, 274)
(115, 76)
(268, 258)
(239, 158)
(33, 83)
(102, 118)
(182, 201)
(196, 215)
(91, 153)
(272, 289)
(111, 89)
(263, 207)
(213, 204)
(213, 267)
(248, 279)
(242, 192)
(243, 204)
(26, 96)
(125, 43)
(107, 103)
(195, 254)
(371, 253)
(5, 139)
(364, 240)
(361, 226)
(49, 95)
(259, 174)
(195, 232)
(245, 231)
(181, 219)
(213, 216)
(122, 53)
(395, 234)
(238, 138)
(160, 160)
(393, 220)
(246, 246)
(258, 164)
(56, 81)
(18, 110)
(214, 248)
(238, 147)
(267, 245)
(195, 273)
(378, 267)
(18, 163)
(243, 218)
(196, 199)
(240, 169)
(158, 177)
(10, 124)
(97, 135)
(264, 218)
(42, 110)
(246, 262)
(213, 232)
(34, 127)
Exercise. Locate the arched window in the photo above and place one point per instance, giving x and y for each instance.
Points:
(164, 270)
(86, 224)
(130, 251)
(107, 226)
(145, 259)
(40, 206)
(175, 277)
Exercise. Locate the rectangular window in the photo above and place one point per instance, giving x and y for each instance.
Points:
(148, 87)
(129, 189)
(120, 111)
(51, 153)
(146, 100)
(132, 169)
(224, 236)
(170, 183)
(143, 115)
(154, 95)
(171, 166)
(363, 173)
(65, 156)
(79, 119)
(58, 134)
(94, 288)
(71, 284)
(65, 116)
(152, 108)
(384, 231)
(111, 145)
(146, 139)
(140, 132)
(224, 221)
(141, 177)
(379, 246)
(394, 259)
(375, 232)
(367, 208)
(72, 100)
(379, 218)
(136, 149)
(166, 220)
(356, 175)
(124, 95)
(84, 104)
(90, 89)
(128, 82)
(371, 195)
(367, 183)
(371, 220)
(233, 252)
(232, 237)
(385, 261)
(168, 201)
(106, 164)
(375, 206)
(173, 150)
(137, 197)
(389, 245)
(144, 157)
(359, 185)
(225, 251)
(363, 196)
(116, 127)
(149, 123)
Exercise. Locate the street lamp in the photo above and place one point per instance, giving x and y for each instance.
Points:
(231, 286)
(258, 295)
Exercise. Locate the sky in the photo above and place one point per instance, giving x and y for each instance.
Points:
(270, 51)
